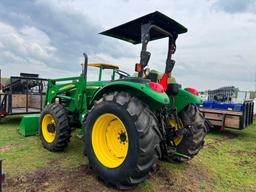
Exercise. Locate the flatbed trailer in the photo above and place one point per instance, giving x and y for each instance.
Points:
(23, 95)
(229, 118)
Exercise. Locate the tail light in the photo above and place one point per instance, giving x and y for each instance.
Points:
(156, 87)
(138, 67)
(193, 91)
(2, 113)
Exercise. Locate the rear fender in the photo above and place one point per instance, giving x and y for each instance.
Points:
(184, 98)
(142, 91)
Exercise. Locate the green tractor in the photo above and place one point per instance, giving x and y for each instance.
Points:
(128, 122)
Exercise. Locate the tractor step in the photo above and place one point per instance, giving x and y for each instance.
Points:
(182, 155)
(29, 125)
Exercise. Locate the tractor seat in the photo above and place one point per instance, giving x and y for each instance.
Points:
(173, 89)
(152, 77)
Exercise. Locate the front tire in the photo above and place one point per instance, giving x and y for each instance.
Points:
(122, 141)
(54, 130)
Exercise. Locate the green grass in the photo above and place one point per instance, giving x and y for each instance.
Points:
(232, 160)
(227, 163)
(27, 154)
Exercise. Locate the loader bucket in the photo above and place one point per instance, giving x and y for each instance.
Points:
(29, 125)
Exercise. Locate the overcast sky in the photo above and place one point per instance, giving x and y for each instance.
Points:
(49, 36)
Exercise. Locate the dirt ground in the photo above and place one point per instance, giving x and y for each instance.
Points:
(82, 179)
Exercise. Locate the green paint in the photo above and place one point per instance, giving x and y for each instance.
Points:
(141, 91)
(81, 94)
(28, 125)
(73, 91)
(183, 98)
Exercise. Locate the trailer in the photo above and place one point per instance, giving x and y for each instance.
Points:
(23, 95)
(228, 115)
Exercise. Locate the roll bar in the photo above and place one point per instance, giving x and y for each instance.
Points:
(145, 55)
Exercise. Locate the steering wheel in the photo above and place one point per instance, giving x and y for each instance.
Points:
(122, 73)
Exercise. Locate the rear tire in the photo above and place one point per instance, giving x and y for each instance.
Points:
(142, 137)
(54, 131)
(193, 142)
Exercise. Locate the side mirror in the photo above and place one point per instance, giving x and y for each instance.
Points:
(153, 77)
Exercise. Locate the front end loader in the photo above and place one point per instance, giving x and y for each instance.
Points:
(128, 122)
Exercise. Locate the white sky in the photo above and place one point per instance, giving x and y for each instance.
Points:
(49, 36)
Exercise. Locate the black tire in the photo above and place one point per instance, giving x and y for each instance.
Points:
(62, 128)
(144, 139)
(193, 142)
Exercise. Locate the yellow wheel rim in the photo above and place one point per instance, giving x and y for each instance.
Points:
(110, 140)
(174, 125)
(48, 135)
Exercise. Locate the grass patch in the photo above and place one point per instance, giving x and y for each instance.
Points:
(227, 163)
(27, 153)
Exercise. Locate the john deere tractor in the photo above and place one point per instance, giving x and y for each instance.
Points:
(128, 122)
